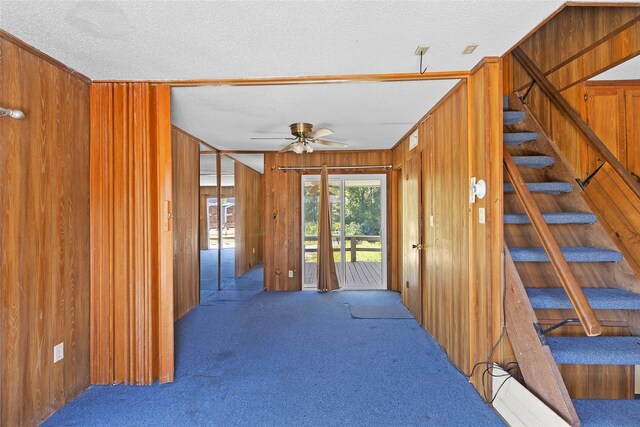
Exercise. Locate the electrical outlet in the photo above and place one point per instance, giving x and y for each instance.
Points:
(290, 273)
(431, 221)
(481, 216)
(58, 352)
(254, 250)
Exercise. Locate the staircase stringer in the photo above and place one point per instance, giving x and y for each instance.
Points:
(538, 367)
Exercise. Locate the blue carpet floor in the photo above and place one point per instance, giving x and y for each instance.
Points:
(251, 358)
(209, 271)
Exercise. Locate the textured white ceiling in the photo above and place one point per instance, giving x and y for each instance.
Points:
(628, 70)
(217, 39)
(138, 40)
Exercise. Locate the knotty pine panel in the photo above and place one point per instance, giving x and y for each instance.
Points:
(578, 43)
(282, 204)
(619, 212)
(185, 155)
(44, 229)
(249, 218)
(462, 259)
(486, 247)
(131, 234)
(581, 33)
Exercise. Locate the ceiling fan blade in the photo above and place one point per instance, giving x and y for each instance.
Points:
(329, 143)
(318, 133)
(287, 148)
(279, 139)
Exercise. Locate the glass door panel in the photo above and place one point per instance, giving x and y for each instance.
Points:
(357, 229)
(363, 224)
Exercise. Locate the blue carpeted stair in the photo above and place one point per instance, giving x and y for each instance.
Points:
(554, 218)
(519, 138)
(608, 412)
(505, 103)
(512, 117)
(599, 299)
(534, 162)
(543, 187)
(595, 350)
(570, 254)
(612, 350)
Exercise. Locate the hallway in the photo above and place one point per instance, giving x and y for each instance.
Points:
(249, 358)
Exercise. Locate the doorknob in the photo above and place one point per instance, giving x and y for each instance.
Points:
(417, 246)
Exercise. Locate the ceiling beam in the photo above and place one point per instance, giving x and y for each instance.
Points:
(301, 80)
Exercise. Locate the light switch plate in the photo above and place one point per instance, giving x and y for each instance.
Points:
(58, 352)
(431, 221)
(290, 273)
(481, 216)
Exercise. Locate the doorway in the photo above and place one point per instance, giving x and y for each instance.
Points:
(411, 237)
(358, 229)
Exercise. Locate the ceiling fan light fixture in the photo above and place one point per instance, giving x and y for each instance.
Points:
(298, 148)
(309, 148)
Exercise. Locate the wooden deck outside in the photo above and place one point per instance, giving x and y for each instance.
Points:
(358, 273)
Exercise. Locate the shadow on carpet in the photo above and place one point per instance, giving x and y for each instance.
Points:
(294, 359)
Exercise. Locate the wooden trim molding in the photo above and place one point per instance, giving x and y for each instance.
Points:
(609, 83)
(297, 80)
(40, 54)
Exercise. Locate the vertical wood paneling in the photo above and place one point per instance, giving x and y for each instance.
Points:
(131, 234)
(249, 218)
(44, 225)
(578, 43)
(444, 142)
(462, 259)
(185, 155)
(485, 240)
(619, 212)
(282, 203)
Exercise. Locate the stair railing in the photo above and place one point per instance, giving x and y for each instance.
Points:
(558, 100)
(568, 280)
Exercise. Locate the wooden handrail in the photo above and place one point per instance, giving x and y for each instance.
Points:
(558, 100)
(569, 282)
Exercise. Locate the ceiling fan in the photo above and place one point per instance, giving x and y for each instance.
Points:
(304, 136)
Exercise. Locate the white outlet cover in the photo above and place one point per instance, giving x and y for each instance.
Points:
(58, 352)
(481, 216)
(290, 273)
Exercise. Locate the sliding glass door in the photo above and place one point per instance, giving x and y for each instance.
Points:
(358, 228)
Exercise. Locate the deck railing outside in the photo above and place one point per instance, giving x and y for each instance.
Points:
(352, 245)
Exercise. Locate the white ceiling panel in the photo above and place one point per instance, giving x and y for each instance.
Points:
(362, 115)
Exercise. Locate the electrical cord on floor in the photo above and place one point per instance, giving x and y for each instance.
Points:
(488, 364)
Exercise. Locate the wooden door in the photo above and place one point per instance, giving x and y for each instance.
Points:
(411, 241)
(632, 109)
(605, 115)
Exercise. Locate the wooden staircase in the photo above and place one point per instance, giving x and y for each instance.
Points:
(573, 367)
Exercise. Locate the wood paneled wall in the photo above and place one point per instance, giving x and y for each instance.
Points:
(613, 112)
(249, 218)
(131, 234)
(486, 240)
(460, 138)
(282, 204)
(185, 155)
(44, 234)
(578, 43)
(619, 212)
